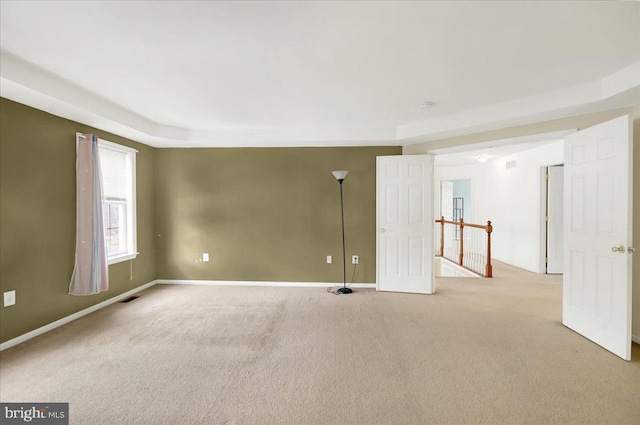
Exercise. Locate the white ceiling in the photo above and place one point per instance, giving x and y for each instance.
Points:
(317, 73)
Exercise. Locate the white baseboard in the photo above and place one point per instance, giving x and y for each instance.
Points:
(258, 283)
(46, 328)
(635, 339)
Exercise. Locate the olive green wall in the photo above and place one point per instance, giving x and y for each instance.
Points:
(580, 122)
(262, 214)
(265, 214)
(37, 219)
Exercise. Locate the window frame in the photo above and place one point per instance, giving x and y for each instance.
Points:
(131, 237)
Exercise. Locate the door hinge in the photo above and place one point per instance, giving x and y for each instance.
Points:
(546, 176)
(546, 259)
(546, 218)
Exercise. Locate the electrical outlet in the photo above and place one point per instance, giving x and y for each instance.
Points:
(9, 298)
(329, 259)
(354, 259)
(205, 256)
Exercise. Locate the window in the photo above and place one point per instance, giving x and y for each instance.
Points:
(118, 168)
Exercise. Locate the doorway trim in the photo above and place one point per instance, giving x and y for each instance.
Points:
(544, 211)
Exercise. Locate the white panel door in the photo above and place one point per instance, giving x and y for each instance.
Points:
(555, 217)
(404, 243)
(446, 199)
(596, 299)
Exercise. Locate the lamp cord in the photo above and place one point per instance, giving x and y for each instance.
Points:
(334, 289)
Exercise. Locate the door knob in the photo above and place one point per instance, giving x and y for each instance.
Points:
(382, 230)
(619, 249)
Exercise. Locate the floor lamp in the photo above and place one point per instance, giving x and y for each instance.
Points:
(340, 176)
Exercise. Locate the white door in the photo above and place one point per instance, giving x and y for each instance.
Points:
(446, 199)
(555, 219)
(404, 242)
(596, 298)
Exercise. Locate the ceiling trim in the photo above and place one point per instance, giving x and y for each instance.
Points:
(622, 86)
(23, 74)
(530, 138)
(30, 85)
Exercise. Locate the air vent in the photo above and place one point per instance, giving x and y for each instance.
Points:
(128, 300)
(512, 164)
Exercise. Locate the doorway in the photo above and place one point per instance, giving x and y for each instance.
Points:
(455, 199)
(596, 229)
(554, 218)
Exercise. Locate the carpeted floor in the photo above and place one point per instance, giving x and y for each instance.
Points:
(480, 351)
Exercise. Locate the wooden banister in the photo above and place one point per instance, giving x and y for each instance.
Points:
(488, 269)
(477, 226)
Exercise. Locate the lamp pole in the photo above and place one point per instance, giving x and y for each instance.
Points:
(340, 176)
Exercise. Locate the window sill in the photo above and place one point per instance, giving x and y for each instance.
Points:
(121, 258)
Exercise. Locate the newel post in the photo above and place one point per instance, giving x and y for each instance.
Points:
(442, 237)
(489, 271)
(461, 240)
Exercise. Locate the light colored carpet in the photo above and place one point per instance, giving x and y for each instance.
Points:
(481, 351)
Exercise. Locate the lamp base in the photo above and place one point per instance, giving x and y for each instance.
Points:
(344, 291)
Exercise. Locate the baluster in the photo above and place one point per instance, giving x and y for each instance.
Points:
(474, 252)
(452, 253)
(475, 249)
(478, 250)
(452, 246)
(481, 251)
(455, 246)
(461, 241)
(470, 248)
(489, 270)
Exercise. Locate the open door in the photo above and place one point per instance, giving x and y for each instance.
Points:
(597, 234)
(405, 253)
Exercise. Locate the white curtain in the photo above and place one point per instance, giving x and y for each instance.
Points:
(91, 271)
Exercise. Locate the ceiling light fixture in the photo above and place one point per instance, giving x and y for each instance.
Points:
(426, 105)
(483, 158)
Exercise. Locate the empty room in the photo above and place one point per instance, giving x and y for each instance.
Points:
(319, 212)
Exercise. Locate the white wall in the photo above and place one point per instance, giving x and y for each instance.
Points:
(512, 199)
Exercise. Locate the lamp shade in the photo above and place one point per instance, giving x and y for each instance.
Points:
(340, 175)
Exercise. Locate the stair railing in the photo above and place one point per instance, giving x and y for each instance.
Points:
(466, 244)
